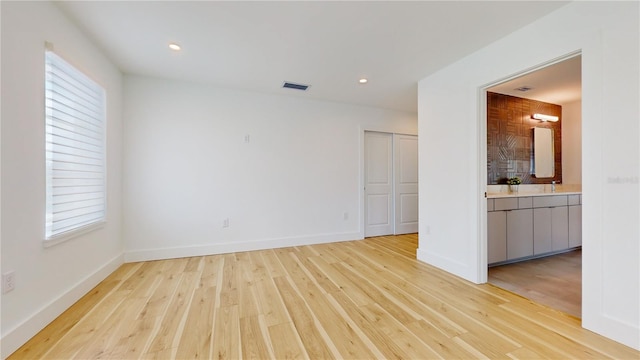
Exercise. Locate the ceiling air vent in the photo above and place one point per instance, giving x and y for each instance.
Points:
(290, 85)
(524, 88)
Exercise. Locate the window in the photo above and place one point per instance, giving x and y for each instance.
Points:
(75, 156)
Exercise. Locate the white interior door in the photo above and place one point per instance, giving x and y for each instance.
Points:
(406, 183)
(378, 184)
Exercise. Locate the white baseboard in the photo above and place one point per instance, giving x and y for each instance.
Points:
(447, 264)
(19, 335)
(618, 330)
(224, 248)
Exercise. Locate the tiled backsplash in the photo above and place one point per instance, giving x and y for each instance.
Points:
(509, 138)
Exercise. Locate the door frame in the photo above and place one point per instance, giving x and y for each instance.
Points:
(482, 261)
(361, 195)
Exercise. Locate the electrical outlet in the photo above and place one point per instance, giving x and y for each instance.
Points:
(345, 216)
(8, 281)
(225, 223)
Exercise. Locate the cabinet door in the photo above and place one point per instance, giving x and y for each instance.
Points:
(542, 231)
(560, 228)
(575, 226)
(519, 233)
(496, 236)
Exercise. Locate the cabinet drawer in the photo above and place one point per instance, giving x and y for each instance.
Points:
(549, 201)
(525, 203)
(574, 199)
(506, 204)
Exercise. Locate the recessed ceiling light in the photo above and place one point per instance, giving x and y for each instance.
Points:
(363, 81)
(174, 46)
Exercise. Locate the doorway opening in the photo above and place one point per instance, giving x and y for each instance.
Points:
(390, 184)
(534, 234)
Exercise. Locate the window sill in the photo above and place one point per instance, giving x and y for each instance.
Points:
(60, 238)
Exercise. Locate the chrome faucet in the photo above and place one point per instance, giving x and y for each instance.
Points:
(553, 186)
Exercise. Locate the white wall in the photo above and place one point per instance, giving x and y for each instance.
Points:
(572, 142)
(188, 168)
(48, 280)
(453, 222)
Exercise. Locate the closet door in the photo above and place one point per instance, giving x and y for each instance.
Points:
(406, 183)
(378, 184)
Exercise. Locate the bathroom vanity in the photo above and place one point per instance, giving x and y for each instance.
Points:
(522, 226)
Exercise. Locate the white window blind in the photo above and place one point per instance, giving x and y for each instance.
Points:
(75, 160)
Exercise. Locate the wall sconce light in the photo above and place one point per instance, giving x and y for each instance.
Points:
(543, 117)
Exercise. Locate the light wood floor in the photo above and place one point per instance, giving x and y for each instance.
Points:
(353, 300)
(555, 281)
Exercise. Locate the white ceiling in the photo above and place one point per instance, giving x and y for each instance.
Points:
(559, 83)
(330, 45)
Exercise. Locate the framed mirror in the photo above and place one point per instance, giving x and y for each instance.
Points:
(543, 153)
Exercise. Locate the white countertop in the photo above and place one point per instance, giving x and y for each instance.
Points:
(502, 191)
(525, 194)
